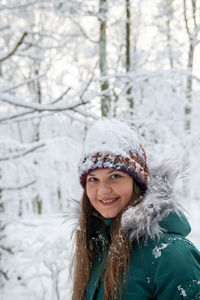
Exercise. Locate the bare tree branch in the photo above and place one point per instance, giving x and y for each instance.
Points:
(16, 116)
(4, 27)
(23, 153)
(37, 115)
(37, 44)
(10, 7)
(83, 31)
(11, 88)
(2, 272)
(15, 48)
(40, 107)
(88, 83)
(24, 113)
(84, 113)
(185, 17)
(194, 6)
(14, 188)
(61, 96)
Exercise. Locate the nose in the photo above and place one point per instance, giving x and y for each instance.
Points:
(104, 189)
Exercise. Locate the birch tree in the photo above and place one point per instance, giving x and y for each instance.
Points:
(166, 28)
(105, 99)
(191, 12)
(128, 53)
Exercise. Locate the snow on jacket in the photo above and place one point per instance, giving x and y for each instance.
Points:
(163, 265)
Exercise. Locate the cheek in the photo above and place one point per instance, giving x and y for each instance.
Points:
(127, 196)
(127, 192)
(90, 192)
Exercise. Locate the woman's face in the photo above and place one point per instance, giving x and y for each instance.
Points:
(109, 191)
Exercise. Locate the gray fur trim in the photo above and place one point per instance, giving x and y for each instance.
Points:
(142, 221)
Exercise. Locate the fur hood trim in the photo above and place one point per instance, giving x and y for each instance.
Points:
(142, 220)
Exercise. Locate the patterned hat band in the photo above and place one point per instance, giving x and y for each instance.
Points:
(132, 165)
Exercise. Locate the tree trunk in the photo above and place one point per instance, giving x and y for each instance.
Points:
(192, 31)
(188, 108)
(169, 32)
(105, 99)
(36, 92)
(128, 54)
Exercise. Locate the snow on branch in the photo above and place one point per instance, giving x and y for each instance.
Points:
(53, 106)
(41, 107)
(29, 80)
(19, 6)
(14, 188)
(15, 48)
(22, 153)
(61, 96)
(15, 116)
(85, 113)
(24, 113)
(83, 31)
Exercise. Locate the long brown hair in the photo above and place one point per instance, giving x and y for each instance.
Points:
(116, 265)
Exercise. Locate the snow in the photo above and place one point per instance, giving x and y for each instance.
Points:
(41, 258)
(39, 107)
(148, 280)
(39, 151)
(111, 137)
(157, 250)
(182, 291)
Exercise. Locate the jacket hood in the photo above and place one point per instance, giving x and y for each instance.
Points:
(159, 211)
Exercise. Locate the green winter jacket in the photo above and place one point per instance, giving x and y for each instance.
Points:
(164, 265)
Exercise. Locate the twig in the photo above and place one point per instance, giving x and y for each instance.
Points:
(15, 116)
(11, 188)
(83, 31)
(23, 153)
(36, 78)
(194, 6)
(15, 48)
(40, 107)
(88, 83)
(8, 7)
(61, 96)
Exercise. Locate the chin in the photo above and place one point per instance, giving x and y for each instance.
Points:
(109, 215)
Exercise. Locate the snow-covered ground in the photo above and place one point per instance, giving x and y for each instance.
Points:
(38, 268)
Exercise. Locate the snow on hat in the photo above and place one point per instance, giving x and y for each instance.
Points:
(112, 144)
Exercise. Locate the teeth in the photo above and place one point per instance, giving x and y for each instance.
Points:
(108, 201)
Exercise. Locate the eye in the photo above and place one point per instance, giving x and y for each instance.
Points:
(115, 175)
(91, 179)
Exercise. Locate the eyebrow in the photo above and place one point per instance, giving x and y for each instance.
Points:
(111, 171)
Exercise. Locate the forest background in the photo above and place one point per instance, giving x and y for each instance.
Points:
(63, 64)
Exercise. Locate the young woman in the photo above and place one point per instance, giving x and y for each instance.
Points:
(130, 243)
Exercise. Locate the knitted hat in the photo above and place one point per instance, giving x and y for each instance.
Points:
(112, 144)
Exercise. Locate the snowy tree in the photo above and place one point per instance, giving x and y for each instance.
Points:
(192, 25)
(62, 65)
(105, 101)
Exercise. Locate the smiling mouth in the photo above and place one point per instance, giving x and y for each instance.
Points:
(109, 201)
